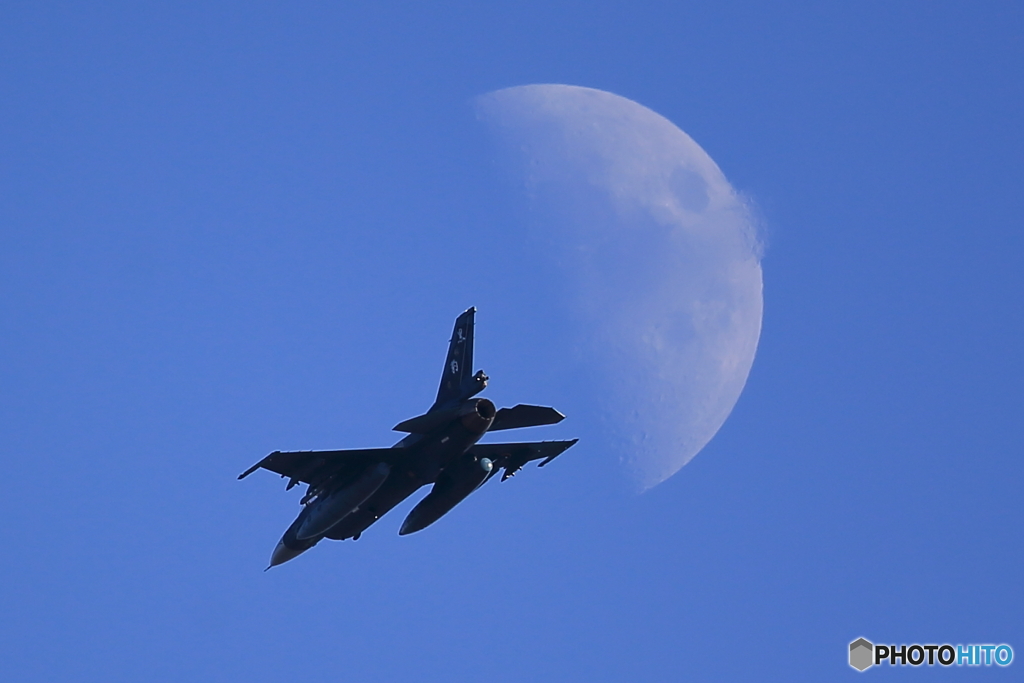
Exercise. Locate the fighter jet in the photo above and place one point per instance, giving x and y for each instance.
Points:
(351, 489)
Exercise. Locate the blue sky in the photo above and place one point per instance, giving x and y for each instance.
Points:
(233, 229)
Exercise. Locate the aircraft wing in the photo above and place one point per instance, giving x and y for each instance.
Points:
(525, 416)
(512, 456)
(309, 467)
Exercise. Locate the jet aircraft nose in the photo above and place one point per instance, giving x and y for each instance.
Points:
(282, 554)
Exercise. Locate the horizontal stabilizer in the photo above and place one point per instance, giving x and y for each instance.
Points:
(422, 424)
(525, 416)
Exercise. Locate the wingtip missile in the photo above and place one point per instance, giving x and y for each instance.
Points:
(567, 445)
(249, 471)
(258, 465)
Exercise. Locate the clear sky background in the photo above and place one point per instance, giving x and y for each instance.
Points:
(237, 228)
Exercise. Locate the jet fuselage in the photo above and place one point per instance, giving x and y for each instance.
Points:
(420, 459)
(349, 490)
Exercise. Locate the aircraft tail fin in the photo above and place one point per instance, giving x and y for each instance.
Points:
(457, 380)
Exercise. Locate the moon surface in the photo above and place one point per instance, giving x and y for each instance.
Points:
(661, 258)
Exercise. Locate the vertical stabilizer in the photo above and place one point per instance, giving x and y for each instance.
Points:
(457, 378)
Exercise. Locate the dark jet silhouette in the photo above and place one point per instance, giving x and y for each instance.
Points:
(350, 490)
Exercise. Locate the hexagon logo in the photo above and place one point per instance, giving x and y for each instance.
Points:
(862, 654)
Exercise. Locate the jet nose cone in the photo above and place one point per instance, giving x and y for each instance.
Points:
(412, 523)
(282, 554)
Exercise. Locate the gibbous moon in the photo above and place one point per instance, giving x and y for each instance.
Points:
(661, 257)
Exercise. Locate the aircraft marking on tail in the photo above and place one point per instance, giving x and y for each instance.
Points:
(457, 380)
